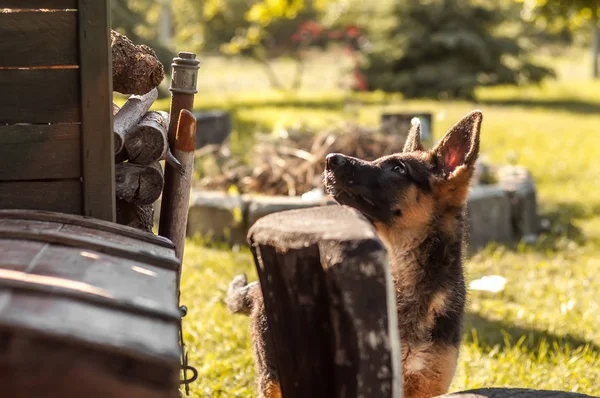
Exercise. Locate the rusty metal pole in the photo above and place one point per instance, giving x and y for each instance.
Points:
(183, 88)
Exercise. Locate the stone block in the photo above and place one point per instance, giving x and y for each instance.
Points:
(518, 183)
(212, 127)
(489, 216)
(217, 215)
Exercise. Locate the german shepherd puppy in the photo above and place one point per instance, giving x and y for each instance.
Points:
(416, 201)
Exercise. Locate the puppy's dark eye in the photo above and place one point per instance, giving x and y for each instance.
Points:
(400, 168)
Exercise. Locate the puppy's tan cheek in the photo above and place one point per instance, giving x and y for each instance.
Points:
(417, 209)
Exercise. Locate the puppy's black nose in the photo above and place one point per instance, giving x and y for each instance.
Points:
(335, 160)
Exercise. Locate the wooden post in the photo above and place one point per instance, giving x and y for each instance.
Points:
(176, 201)
(183, 89)
(329, 303)
(97, 147)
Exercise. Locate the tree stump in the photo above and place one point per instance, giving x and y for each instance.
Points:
(329, 302)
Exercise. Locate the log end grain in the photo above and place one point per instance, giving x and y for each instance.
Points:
(147, 141)
(302, 227)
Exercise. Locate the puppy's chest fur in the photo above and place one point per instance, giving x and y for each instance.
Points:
(430, 298)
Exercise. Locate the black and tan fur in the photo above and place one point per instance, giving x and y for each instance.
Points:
(416, 201)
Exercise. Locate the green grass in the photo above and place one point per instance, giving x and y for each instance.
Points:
(541, 331)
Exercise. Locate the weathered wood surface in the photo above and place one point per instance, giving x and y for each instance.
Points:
(130, 252)
(514, 393)
(139, 184)
(93, 276)
(135, 216)
(37, 4)
(38, 38)
(329, 303)
(136, 69)
(106, 230)
(86, 307)
(96, 110)
(88, 231)
(177, 193)
(39, 96)
(147, 141)
(58, 365)
(39, 152)
(60, 195)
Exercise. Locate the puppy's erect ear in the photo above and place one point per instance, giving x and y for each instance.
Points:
(460, 146)
(413, 141)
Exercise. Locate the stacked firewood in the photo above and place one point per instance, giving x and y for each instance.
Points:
(293, 165)
(140, 135)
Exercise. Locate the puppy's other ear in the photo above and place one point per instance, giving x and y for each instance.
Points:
(460, 146)
(413, 141)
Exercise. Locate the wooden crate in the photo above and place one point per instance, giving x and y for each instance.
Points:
(56, 145)
(87, 309)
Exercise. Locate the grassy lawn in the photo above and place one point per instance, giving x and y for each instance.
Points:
(541, 331)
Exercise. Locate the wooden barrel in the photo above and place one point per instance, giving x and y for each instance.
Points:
(88, 308)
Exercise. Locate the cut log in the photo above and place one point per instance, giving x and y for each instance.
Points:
(176, 197)
(116, 108)
(139, 184)
(131, 114)
(136, 216)
(136, 69)
(329, 303)
(147, 141)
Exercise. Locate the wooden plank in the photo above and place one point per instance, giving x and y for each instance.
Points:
(329, 304)
(61, 195)
(73, 321)
(18, 254)
(91, 276)
(97, 120)
(39, 96)
(40, 152)
(76, 231)
(37, 4)
(59, 287)
(84, 243)
(38, 39)
(85, 222)
(98, 373)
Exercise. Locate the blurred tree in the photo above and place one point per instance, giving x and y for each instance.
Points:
(445, 49)
(571, 14)
(261, 29)
(138, 20)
